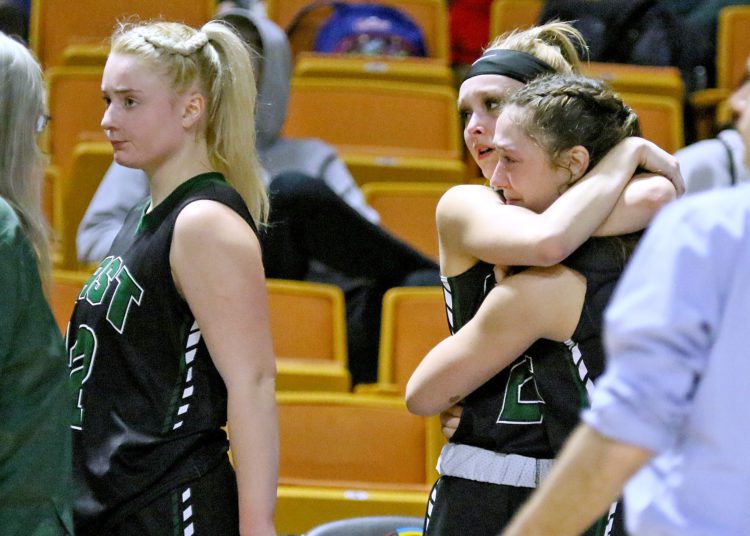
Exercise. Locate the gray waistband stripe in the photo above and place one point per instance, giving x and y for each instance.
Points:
(474, 463)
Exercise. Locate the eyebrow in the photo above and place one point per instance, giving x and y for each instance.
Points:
(485, 93)
(123, 90)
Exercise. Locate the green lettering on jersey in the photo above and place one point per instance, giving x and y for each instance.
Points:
(128, 291)
(522, 403)
(97, 286)
(81, 362)
(93, 277)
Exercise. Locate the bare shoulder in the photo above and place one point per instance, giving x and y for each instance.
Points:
(467, 195)
(208, 222)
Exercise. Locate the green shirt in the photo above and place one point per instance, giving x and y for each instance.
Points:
(35, 458)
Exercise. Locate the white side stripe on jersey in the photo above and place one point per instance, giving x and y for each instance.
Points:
(191, 347)
(583, 373)
(448, 297)
(187, 513)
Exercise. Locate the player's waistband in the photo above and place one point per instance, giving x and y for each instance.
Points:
(481, 465)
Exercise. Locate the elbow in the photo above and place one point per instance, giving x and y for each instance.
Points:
(416, 402)
(552, 250)
(659, 194)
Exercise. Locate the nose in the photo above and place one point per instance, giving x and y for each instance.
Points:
(499, 179)
(475, 125)
(107, 119)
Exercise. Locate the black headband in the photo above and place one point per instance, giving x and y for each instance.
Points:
(511, 63)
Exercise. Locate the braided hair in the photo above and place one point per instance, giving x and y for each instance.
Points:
(568, 110)
(217, 60)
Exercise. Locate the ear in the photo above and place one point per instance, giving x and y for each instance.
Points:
(577, 158)
(193, 110)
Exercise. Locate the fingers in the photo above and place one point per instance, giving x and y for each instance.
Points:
(449, 420)
(657, 160)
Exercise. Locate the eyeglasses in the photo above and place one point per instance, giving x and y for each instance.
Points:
(42, 122)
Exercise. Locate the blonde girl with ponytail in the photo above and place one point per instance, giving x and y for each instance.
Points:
(170, 339)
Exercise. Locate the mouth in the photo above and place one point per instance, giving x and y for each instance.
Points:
(482, 152)
(501, 195)
(116, 144)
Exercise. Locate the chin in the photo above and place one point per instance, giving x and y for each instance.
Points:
(487, 169)
(124, 161)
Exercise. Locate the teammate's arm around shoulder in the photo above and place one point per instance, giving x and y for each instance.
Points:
(216, 264)
(536, 303)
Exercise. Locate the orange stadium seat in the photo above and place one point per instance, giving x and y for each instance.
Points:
(309, 335)
(508, 15)
(661, 119)
(373, 125)
(430, 15)
(648, 79)
(76, 108)
(73, 193)
(732, 53)
(345, 455)
(419, 70)
(407, 209)
(413, 323)
(60, 29)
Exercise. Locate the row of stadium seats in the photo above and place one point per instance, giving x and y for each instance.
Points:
(315, 358)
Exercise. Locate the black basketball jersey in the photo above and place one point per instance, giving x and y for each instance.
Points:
(531, 406)
(464, 295)
(149, 403)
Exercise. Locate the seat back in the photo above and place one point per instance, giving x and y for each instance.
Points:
(661, 119)
(366, 168)
(74, 191)
(430, 15)
(407, 209)
(61, 28)
(733, 46)
(508, 15)
(340, 440)
(414, 321)
(418, 70)
(74, 104)
(646, 79)
(307, 320)
(376, 118)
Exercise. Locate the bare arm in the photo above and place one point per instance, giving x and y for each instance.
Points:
(588, 476)
(216, 263)
(474, 224)
(537, 303)
(643, 197)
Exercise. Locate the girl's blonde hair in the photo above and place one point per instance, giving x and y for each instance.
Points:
(22, 105)
(556, 43)
(218, 61)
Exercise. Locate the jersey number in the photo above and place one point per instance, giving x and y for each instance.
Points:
(81, 362)
(82, 354)
(522, 403)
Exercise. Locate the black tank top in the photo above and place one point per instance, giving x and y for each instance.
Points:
(150, 404)
(531, 406)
